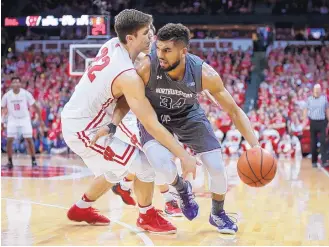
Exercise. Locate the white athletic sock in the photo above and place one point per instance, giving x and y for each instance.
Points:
(143, 210)
(168, 197)
(126, 184)
(84, 202)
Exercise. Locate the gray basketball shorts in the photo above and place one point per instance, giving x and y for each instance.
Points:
(195, 132)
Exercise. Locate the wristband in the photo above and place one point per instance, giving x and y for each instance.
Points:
(112, 128)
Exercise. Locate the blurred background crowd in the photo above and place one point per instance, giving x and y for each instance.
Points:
(281, 76)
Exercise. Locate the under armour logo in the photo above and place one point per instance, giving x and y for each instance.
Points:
(190, 84)
(165, 118)
(159, 77)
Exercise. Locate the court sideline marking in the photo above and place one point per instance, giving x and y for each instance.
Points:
(324, 171)
(147, 241)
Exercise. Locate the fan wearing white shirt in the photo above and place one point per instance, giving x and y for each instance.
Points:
(16, 103)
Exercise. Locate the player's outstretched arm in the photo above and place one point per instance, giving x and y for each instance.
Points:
(133, 89)
(212, 82)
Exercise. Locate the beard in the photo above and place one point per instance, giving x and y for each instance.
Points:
(172, 67)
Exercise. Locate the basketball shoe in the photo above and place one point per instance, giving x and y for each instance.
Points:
(10, 165)
(153, 222)
(124, 194)
(188, 205)
(223, 223)
(34, 164)
(89, 215)
(172, 209)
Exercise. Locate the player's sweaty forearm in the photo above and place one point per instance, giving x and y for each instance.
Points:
(120, 111)
(242, 122)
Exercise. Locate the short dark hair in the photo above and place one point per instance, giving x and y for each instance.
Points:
(174, 32)
(15, 78)
(153, 28)
(129, 21)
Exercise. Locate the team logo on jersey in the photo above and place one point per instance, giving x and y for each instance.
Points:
(159, 77)
(134, 140)
(165, 118)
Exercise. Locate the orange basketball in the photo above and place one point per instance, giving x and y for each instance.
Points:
(257, 167)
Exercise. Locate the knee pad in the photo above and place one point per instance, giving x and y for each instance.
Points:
(142, 169)
(162, 160)
(213, 161)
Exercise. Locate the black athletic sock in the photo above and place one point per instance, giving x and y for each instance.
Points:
(180, 185)
(33, 158)
(217, 207)
(10, 160)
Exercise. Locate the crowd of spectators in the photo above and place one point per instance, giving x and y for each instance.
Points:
(277, 7)
(71, 7)
(194, 7)
(300, 7)
(47, 77)
(278, 116)
(190, 7)
(301, 34)
(288, 80)
(277, 119)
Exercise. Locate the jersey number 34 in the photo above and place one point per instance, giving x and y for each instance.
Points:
(168, 102)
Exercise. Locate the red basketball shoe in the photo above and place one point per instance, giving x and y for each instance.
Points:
(153, 222)
(172, 209)
(89, 215)
(124, 194)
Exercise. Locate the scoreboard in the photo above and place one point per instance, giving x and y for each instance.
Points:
(99, 27)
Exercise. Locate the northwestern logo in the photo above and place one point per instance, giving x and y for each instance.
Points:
(170, 91)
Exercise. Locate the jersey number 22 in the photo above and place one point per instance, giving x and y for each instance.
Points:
(105, 61)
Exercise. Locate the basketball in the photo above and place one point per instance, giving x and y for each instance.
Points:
(257, 167)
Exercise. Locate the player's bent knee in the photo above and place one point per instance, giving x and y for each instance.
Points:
(161, 160)
(166, 174)
(143, 170)
(215, 166)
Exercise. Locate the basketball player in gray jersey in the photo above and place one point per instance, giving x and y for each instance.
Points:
(173, 78)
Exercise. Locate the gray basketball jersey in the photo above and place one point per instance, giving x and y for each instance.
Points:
(175, 100)
(177, 106)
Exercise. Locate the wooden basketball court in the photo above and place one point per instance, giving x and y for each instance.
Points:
(292, 210)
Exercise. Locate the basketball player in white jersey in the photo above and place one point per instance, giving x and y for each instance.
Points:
(110, 82)
(17, 102)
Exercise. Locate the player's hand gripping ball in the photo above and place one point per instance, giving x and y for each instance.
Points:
(257, 167)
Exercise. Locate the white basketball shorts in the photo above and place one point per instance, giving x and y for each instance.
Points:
(19, 126)
(126, 157)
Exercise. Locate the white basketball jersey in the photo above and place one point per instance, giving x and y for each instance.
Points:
(18, 104)
(93, 94)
